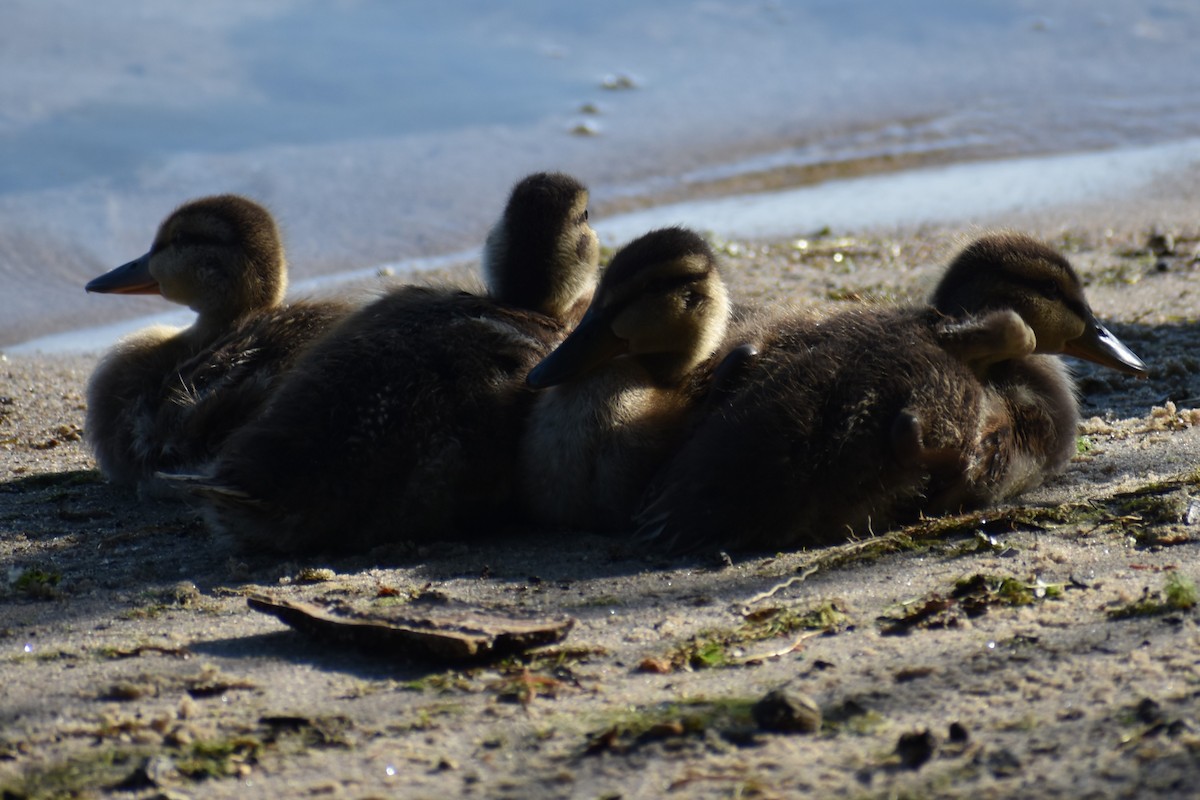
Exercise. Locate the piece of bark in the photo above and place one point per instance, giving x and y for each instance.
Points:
(428, 629)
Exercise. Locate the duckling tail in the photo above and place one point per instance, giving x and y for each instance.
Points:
(656, 527)
(203, 486)
(651, 527)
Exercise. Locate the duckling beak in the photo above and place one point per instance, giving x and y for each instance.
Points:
(131, 278)
(589, 345)
(1098, 345)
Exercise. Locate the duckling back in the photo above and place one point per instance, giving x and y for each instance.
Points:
(837, 427)
(399, 425)
(402, 423)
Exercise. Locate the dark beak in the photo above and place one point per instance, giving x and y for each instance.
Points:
(131, 278)
(1098, 345)
(589, 345)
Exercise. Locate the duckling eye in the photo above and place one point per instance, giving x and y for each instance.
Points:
(1050, 290)
(584, 216)
(669, 285)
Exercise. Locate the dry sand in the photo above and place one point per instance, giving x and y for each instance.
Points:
(129, 661)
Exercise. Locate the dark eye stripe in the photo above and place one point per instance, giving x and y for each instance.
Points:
(196, 240)
(1040, 286)
(1053, 292)
(669, 284)
(665, 285)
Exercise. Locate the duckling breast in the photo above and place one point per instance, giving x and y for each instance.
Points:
(590, 447)
(123, 399)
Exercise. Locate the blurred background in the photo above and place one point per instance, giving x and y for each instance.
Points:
(386, 133)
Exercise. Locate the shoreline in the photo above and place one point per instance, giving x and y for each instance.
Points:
(942, 194)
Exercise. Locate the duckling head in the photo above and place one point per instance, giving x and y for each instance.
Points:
(1014, 272)
(661, 302)
(543, 254)
(221, 256)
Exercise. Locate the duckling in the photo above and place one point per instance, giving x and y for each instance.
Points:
(402, 423)
(166, 398)
(615, 395)
(1011, 302)
(844, 426)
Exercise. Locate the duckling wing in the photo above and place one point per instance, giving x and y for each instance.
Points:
(226, 384)
(985, 339)
(1028, 431)
(736, 473)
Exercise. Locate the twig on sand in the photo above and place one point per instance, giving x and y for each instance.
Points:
(779, 587)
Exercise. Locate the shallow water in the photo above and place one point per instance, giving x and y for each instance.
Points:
(384, 131)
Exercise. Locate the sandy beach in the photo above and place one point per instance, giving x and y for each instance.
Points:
(1048, 649)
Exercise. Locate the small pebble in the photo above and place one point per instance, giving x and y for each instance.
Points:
(1161, 244)
(1003, 763)
(915, 748)
(660, 666)
(184, 593)
(663, 730)
(315, 575)
(1149, 711)
(787, 711)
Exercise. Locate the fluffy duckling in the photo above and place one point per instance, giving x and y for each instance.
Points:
(614, 395)
(1010, 303)
(165, 398)
(403, 422)
(841, 426)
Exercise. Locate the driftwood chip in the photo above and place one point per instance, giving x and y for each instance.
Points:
(433, 628)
